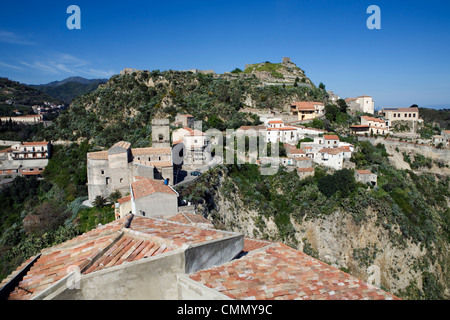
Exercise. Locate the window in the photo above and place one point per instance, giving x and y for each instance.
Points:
(160, 137)
(410, 115)
(414, 115)
(395, 115)
(102, 171)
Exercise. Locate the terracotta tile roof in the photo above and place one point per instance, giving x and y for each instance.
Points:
(400, 109)
(144, 187)
(130, 247)
(302, 170)
(307, 105)
(282, 129)
(40, 143)
(99, 155)
(122, 144)
(333, 151)
(331, 137)
(128, 239)
(373, 119)
(178, 233)
(6, 150)
(256, 128)
(255, 244)
(275, 122)
(124, 199)
(190, 218)
(360, 126)
(145, 151)
(293, 149)
(282, 273)
(194, 132)
(161, 164)
(54, 263)
(363, 172)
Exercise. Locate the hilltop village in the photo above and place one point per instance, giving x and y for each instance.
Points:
(160, 244)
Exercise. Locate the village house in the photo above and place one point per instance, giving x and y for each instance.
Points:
(330, 157)
(305, 172)
(366, 177)
(364, 104)
(194, 143)
(307, 110)
(149, 198)
(26, 158)
(184, 120)
(369, 126)
(442, 140)
(29, 119)
(113, 169)
(399, 114)
(146, 258)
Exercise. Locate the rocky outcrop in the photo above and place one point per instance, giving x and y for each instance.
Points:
(365, 249)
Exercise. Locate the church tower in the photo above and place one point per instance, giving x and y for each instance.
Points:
(160, 133)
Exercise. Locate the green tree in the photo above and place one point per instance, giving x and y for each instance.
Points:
(99, 202)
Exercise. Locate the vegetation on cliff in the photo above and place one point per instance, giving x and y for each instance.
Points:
(410, 208)
(123, 108)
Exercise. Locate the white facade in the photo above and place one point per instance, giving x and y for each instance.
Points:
(364, 104)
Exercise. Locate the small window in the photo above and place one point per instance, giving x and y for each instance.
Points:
(103, 171)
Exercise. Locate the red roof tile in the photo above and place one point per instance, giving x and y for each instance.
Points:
(145, 187)
(280, 272)
(307, 105)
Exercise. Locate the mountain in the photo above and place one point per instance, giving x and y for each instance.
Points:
(122, 108)
(16, 95)
(68, 89)
(74, 79)
(285, 72)
(440, 117)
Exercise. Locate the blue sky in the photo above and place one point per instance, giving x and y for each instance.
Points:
(405, 62)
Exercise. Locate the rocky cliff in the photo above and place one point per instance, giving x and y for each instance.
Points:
(363, 239)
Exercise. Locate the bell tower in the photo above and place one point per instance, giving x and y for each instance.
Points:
(160, 133)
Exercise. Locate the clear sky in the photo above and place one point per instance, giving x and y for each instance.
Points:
(405, 62)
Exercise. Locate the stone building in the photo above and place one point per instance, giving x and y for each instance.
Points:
(366, 177)
(149, 198)
(306, 110)
(160, 133)
(27, 158)
(114, 169)
(400, 114)
(364, 104)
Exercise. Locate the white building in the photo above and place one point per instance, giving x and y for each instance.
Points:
(149, 198)
(194, 142)
(363, 104)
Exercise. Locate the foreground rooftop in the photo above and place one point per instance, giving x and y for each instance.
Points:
(178, 257)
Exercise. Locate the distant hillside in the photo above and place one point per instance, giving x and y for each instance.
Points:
(440, 117)
(68, 89)
(285, 72)
(122, 108)
(16, 95)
